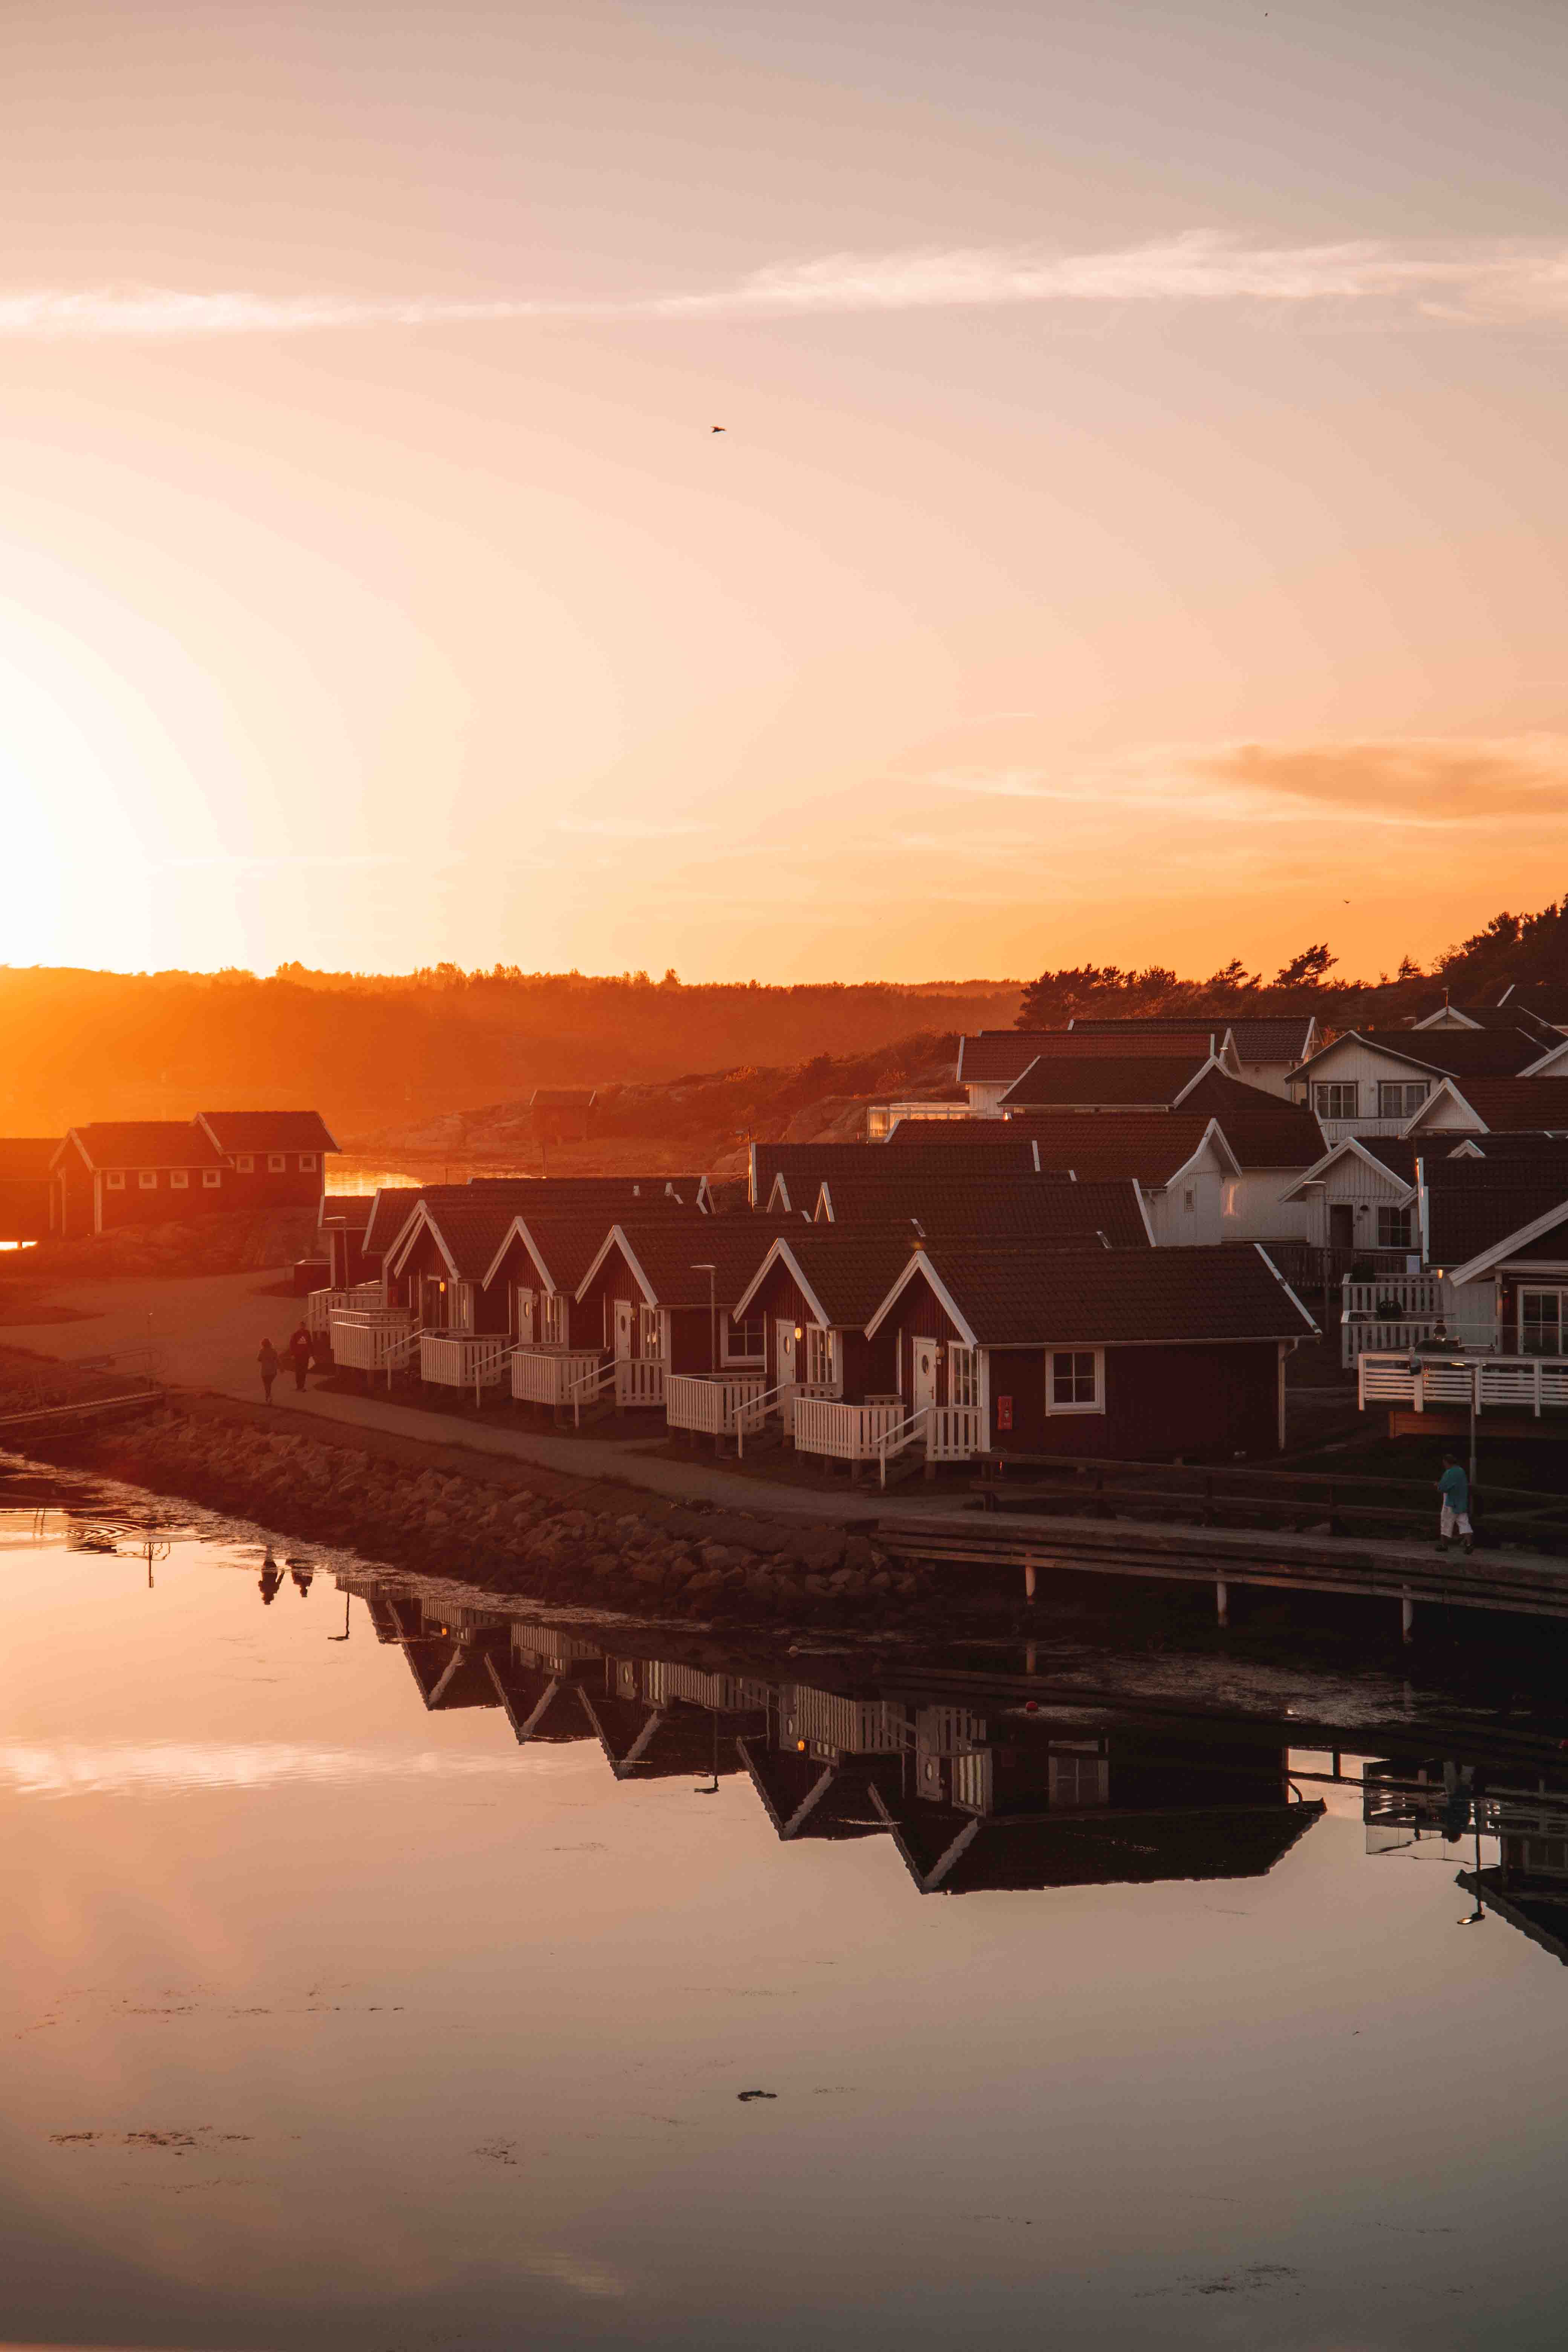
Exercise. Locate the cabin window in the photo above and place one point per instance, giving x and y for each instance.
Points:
(1541, 1322)
(245, 1162)
(525, 1317)
(211, 1179)
(744, 1343)
(1076, 1778)
(276, 1163)
(147, 1179)
(1400, 1099)
(462, 1307)
(651, 1331)
(552, 1319)
(307, 1163)
(115, 1180)
(963, 1375)
(1549, 1855)
(1190, 1198)
(1392, 1228)
(1075, 1380)
(819, 1355)
(1336, 1099)
(180, 1177)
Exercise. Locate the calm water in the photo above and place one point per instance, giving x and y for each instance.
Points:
(402, 1990)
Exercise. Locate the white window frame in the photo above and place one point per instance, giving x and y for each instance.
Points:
(1326, 1092)
(731, 1341)
(821, 1357)
(180, 1178)
(1540, 1290)
(650, 1332)
(307, 1163)
(277, 1162)
(963, 1375)
(552, 1319)
(211, 1179)
(1401, 1097)
(244, 1163)
(115, 1180)
(1190, 1199)
(1386, 1211)
(146, 1179)
(1097, 1405)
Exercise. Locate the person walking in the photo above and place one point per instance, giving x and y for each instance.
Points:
(1453, 1486)
(300, 1354)
(267, 1357)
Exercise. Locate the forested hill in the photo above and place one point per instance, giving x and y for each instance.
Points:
(382, 1054)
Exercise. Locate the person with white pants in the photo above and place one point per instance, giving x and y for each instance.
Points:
(1454, 1487)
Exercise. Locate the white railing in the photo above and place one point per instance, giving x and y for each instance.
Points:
(715, 1407)
(847, 1433)
(474, 1360)
(639, 1382)
(904, 1432)
(321, 1306)
(1524, 1384)
(588, 1388)
(1408, 1295)
(775, 1400)
(548, 1375)
(1372, 1337)
(376, 1341)
(956, 1434)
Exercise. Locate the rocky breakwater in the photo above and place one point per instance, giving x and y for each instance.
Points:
(504, 1533)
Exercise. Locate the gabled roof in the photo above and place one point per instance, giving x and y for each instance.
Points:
(802, 1166)
(563, 1240)
(950, 1852)
(142, 1143)
(1491, 1052)
(845, 1271)
(1262, 1130)
(998, 1205)
(975, 1136)
(998, 1053)
(25, 1156)
(390, 1210)
(1390, 1155)
(1265, 1037)
(268, 1130)
(1478, 1213)
(1155, 1146)
(465, 1226)
(1526, 1105)
(664, 1255)
(1487, 1016)
(1116, 1079)
(1022, 1298)
(994, 1055)
(804, 1797)
(352, 1210)
(562, 1099)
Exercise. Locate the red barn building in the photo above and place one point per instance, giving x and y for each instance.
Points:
(277, 1158)
(26, 1188)
(136, 1171)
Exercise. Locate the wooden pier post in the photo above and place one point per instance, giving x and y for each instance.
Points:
(1222, 1599)
(1028, 1579)
(1406, 1618)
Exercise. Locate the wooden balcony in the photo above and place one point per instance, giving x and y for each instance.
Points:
(1504, 1383)
(844, 1432)
(377, 1339)
(715, 1408)
(639, 1383)
(548, 1375)
(476, 1361)
(321, 1306)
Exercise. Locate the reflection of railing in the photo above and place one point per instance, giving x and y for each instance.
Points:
(715, 1407)
(1525, 1383)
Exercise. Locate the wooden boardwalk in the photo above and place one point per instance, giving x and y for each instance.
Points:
(1513, 1583)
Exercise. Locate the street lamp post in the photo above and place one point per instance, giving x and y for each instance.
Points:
(711, 1271)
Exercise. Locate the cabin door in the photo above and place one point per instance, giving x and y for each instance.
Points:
(923, 1390)
(786, 1331)
(1341, 1224)
(622, 1330)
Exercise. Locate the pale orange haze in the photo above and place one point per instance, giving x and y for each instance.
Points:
(1137, 532)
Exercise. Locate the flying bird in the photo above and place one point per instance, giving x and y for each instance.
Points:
(719, 428)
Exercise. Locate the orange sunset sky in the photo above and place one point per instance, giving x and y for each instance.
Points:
(1138, 530)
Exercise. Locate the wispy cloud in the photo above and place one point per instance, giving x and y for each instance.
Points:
(628, 828)
(1413, 779)
(1469, 281)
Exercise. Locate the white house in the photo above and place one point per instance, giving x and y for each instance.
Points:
(1361, 1196)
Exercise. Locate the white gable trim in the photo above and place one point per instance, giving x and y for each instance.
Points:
(1553, 1063)
(1214, 1063)
(919, 1262)
(1353, 1145)
(419, 1221)
(1449, 1089)
(616, 1238)
(517, 1230)
(781, 1251)
(1484, 1262)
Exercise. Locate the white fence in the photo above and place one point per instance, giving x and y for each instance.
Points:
(476, 1361)
(375, 1341)
(546, 1375)
(954, 1432)
(639, 1383)
(715, 1407)
(321, 1306)
(1519, 1383)
(1409, 1295)
(847, 1433)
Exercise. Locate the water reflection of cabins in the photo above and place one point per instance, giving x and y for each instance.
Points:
(1003, 1797)
(1408, 1803)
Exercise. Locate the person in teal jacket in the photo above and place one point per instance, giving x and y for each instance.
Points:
(1454, 1487)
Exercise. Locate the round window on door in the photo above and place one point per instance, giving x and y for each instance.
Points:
(925, 1361)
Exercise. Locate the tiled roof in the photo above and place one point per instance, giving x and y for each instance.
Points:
(1471, 1206)
(1496, 1149)
(268, 1130)
(849, 1269)
(1151, 1145)
(393, 1207)
(1017, 1298)
(1396, 1152)
(562, 1099)
(147, 1143)
(22, 1156)
(559, 1189)
(998, 1205)
(567, 1237)
(1007, 1053)
(1523, 1103)
(1271, 1039)
(1038, 1850)
(1511, 1015)
(973, 1136)
(1492, 1053)
(803, 1165)
(1261, 1130)
(669, 1250)
(471, 1226)
(1111, 1079)
(996, 1053)
(350, 1209)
